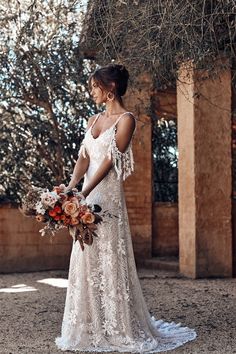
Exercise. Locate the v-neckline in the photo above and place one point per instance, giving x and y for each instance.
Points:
(100, 133)
(90, 128)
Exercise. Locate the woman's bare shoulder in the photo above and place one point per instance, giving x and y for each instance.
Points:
(128, 119)
(91, 120)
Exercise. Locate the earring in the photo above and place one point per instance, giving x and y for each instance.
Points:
(110, 96)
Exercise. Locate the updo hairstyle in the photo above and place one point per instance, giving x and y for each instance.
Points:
(106, 76)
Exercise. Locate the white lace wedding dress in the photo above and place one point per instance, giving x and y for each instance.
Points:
(105, 309)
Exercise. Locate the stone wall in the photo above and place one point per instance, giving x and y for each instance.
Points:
(165, 238)
(23, 249)
(138, 187)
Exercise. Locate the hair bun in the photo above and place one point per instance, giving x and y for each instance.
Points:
(112, 73)
(121, 67)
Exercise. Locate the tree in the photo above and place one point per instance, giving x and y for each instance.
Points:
(155, 36)
(43, 95)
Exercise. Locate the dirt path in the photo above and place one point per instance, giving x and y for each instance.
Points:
(31, 311)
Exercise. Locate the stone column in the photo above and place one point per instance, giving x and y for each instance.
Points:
(204, 144)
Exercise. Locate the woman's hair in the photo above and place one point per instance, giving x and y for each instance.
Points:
(109, 75)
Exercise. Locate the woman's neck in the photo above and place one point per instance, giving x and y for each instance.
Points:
(114, 107)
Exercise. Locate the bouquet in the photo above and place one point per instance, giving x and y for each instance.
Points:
(60, 208)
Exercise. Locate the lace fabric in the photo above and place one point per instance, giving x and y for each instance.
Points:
(123, 162)
(105, 309)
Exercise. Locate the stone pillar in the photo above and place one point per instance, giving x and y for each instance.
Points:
(138, 187)
(205, 181)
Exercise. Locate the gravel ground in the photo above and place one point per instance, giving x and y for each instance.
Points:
(31, 311)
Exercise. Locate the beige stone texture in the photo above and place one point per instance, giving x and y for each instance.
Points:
(165, 238)
(205, 178)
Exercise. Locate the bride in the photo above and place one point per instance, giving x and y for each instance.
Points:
(105, 309)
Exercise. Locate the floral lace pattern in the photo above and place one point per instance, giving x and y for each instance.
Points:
(105, 309)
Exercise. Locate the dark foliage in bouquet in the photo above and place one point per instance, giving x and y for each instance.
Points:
(60, 208)
(43, 96)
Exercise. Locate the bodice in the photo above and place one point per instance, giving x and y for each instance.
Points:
(105, 146)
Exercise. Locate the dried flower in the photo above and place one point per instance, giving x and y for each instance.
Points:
(40, 218)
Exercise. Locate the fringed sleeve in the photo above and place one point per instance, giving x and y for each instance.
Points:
(123, 162)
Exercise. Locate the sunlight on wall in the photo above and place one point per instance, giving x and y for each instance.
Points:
(19, 288)
(57, 282)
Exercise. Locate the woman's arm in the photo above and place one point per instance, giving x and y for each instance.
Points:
(80, 168)
(125, 129)
(81, 165)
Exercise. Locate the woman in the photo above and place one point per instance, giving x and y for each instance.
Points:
(105, 309)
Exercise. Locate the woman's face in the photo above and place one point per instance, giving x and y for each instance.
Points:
(98, 95)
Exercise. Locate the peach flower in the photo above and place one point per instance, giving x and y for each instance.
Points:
(74, 221)
(75, 201)
(69, 208)
(88, 218)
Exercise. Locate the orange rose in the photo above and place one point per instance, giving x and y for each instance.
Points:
(75, 201)
(69, 208)
(63, 217)
(88, 218)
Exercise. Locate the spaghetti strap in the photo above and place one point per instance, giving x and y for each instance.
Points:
(118, 119)
(98, 115)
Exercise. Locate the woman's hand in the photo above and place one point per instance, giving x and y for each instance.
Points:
(81, 195)
(67, 189)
